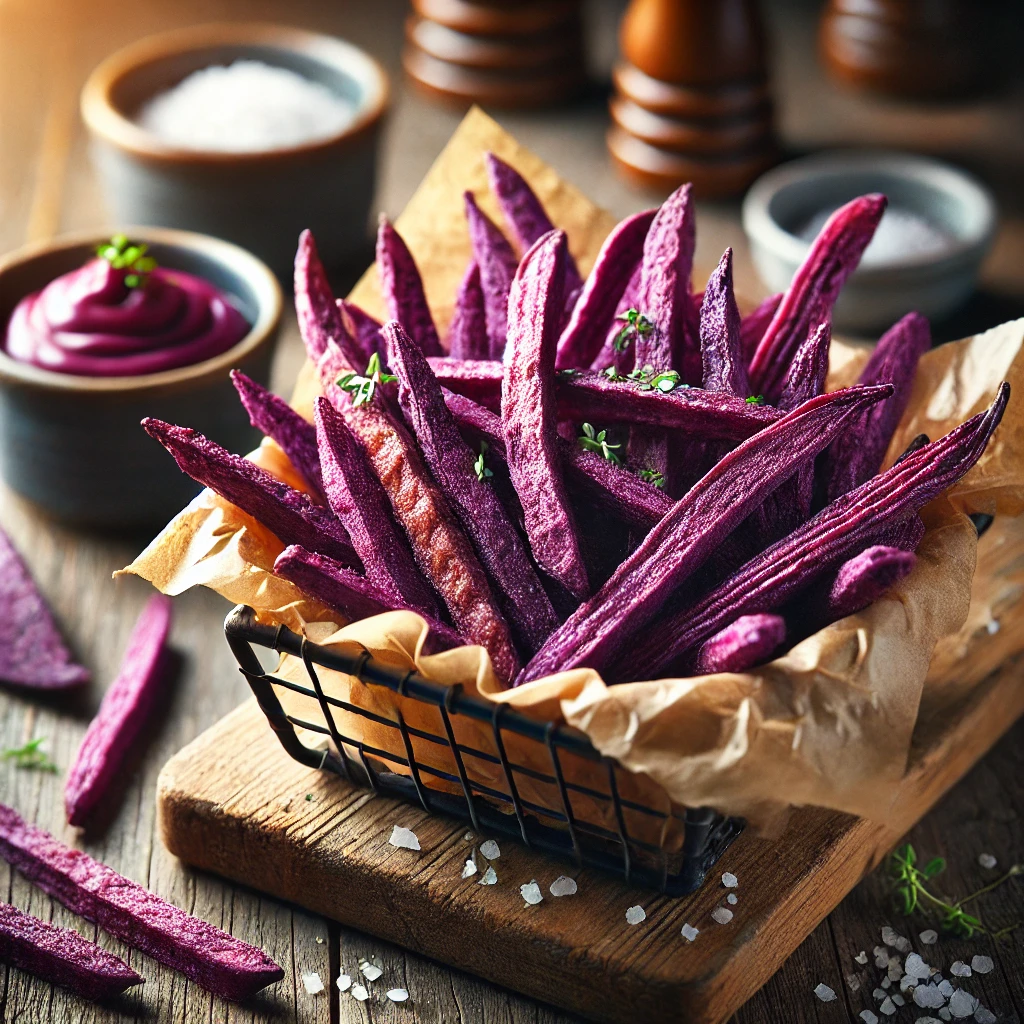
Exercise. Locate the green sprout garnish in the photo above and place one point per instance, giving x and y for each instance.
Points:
(124, 255)
(30, 756)
(612, 374)
(483, 474)
(362, 388)
(569, 372)
(755, 400)
(592, 441)
(667, 381)
(652, 476)
(647, 380)
(636, 325)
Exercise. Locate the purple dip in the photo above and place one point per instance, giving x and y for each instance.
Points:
(91, 323)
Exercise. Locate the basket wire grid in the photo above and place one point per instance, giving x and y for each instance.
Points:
(552, 826)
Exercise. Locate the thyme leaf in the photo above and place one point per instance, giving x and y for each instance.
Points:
(636, 325)
(483, 474)
(30, 756)
(755, 400)
(652, 476)
(363, 387)
(592, 441)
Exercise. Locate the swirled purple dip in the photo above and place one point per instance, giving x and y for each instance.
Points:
(91, 323)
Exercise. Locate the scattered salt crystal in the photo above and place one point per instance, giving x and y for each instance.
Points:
(984, 1016)
(946, 988)
(468, 837)
(916, 967)
(531, 892)
(489, 877)
(404, 838)
(689, 932)
(993, 627)
(723, 915)
(886, 982)
(635, 915)
(470, 868)
(982, 965)
(894, 939)
(945, 1014)
(962, 1004)
(732, 899)
(853, 982)
(729, 880)
(986, 860)
(888, 1007)
(490, 850)
(895, 969)
(344, 983)
(907, 983)
(397, 995)
(824, 993)
(861, 957)
(929, 937)
(248, 106)
(881, 956)
(868, 1017)
(371, 972)
(960, 970)
(928, 997)
(312, 982)
(563, 885)
(898, 999)
(879, 994)
(360, 992)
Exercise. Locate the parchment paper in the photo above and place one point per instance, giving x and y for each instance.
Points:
(828, 724)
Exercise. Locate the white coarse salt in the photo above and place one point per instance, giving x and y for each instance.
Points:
(634, 915)
(962, 1004)
(894, 939)
(404, 838)
(490, 849)
(983, 1015)
(929, 937)
(986, 860)
(982, 964)
(945, 1014)
(689, 932)
(469, 869)
(861, 957)
(879, 994)
(881, 956)
(917, 968)
(344, 982)
(898, 999)
(868, 1017)
(397, 995)
(311, 981)
(531, 893)
(907, 983)
(888, 1007)
(371, 972)
(732, 899)
(824, 993)
(245, 107)
(729, 880)
(360, 992)
(887, 982)
(853, 982)
(960, 970)
(945, 988)
(895, 969)
(723, 915)
(489, 877)
(563, 885)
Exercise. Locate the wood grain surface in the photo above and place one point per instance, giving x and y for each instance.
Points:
(47, 47)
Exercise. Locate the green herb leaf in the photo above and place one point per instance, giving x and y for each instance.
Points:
(652, 476)
(592, 441)
(636, 325)
(30, 756)
(666, 381)
(482, 472)
(362, 388)
(124, 255)
(755, 400)
(934, 867)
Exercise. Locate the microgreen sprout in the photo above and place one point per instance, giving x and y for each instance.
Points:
(592, 441)
(667, 381)
(362, 388)
(647, 379)
(635, 325)
(652, 476)
(30, 756)
(612, 374)
(122, 254)
(755, 400)
(483, 474)
(569, 371)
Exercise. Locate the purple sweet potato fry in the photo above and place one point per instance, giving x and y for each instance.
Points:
(62, 957)
(749, 641)
(859, 454)
(905, 535)
(402, 286)
(833, 256)
(477, 379)
(772, 578)
(601, 628)
(755, 323)
(528, 414)
(123, 712)
(357, 498)
(365, 329)
(807, 372)
(724, 369)
(865, 578)
(286, 512)
(467, 333)
(584, 336)
(32, 652)
(453, 465)
(277, 419)
(497, 263)
(347, 592)
(208, 956)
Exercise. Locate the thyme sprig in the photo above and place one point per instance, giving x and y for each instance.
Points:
(483, 474)
(636, 325)
(30, 756)
(593, 441)
(646, 379)
(363, 387)
(755, 400)
(122, 254)
(653, 476)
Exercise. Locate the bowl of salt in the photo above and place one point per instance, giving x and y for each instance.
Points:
(936, 231)
(247, 132)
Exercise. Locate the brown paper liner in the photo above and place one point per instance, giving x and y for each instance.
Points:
(830, 723)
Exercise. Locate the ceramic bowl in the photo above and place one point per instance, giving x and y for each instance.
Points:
(74, 444)
(782, 202)
(261, 200)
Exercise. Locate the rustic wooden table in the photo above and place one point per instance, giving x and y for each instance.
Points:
(46, 187)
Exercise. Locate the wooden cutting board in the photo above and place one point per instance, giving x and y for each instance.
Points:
(234, 803)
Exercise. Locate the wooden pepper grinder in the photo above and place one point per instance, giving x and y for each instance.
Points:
(527, 53)
(691, 99)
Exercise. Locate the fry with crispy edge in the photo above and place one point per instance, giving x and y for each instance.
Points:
(782, 571)
(497, 263)
(483, 517)
(286, 512)
(720, 334)
(467, 333)
(208, 956)
(833, 256)
(402, 286)
(123, 712)
(528, 416)
(747, 642)
(274, 417)
(61, 956)
(597, 633)
(347, 592)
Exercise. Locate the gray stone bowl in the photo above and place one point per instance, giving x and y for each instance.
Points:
(781, 202)
(261, 201)
(73, 445)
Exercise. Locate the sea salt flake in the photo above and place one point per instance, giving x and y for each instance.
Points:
(689, 932)
(404, 838)
(946, 988)
(729, 880)
(360, 992)
(397, 995)
(868, 1017)
(824, 993)
(907, 983)
(861, 957)
(929, 937)
(881, 956)
(344, 982)
(371, 972)
(898, 999)
(962, 1004)
(928, 997)
(723, 915)
(531, 893)
(853, 982)
(732, 899)
(886, 982)
(311, 981)
(634, 915)
(894, 939)
(960, 970)
(563, 885)
(879, 994)
(986, 860)
(916, 967)
(489, 877)
(888, 1007)
(945, 1014)
(982, 965)
(470, 868)
(983, 1015)
(490, 850)
(895, 969)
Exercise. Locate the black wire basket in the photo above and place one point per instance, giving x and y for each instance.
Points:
(569, 800)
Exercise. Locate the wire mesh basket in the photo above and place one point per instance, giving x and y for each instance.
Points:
(563, 797)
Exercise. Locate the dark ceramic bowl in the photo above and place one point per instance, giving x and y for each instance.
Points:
(74, 444)
(259, 200)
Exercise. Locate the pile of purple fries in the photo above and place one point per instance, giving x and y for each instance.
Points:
(615, 473)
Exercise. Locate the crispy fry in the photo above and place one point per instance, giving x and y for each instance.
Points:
(403, 288)
(749, 641)
(497, 263)
(720, 335)
(467, 333)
